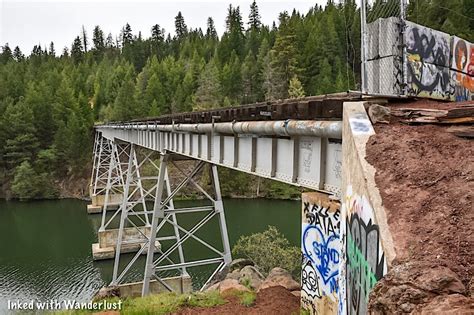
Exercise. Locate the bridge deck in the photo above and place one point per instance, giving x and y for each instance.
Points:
(322, 107)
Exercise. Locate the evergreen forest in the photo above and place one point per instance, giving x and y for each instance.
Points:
(51, 97)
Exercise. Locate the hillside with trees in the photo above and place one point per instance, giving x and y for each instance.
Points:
(50, 100)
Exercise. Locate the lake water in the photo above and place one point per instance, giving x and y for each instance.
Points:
(45, 246)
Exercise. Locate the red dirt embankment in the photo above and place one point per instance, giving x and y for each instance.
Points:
(270, 301)
(426, 179)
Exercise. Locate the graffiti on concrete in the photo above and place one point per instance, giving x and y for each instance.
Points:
(337, 168)
(365, 260)
(463, 56)
(429, 80)
(438, 65)
(428, 45)
(309, 280)
(320, 253)
(463, 69)
(307, 149)
(360, 125)
(323, 253)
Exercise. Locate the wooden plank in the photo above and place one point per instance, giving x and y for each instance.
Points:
(331, 109)
(461, 112)
(463, 132)
(407, 112)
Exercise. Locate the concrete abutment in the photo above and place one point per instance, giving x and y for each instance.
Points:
(133, 240)
(346, 246)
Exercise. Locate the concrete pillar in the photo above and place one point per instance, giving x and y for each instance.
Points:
(132, 242)
(321, 249)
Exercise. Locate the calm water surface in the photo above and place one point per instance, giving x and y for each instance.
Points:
(45, 246)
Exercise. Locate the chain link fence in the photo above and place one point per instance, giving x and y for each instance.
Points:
(412, 57)
(382, 49)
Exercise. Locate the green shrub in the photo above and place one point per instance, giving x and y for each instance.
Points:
(268, 250)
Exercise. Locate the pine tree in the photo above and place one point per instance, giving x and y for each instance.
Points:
(98, 38)
(52, 51)
(254, 17)
(325, 84)
(37, 51)
(124, 105)
(231, 79)
(180, 27)
(295, 89)
(208, 94)
(157, 34)
(18, 55)
(20, 134)
(109, 42)
(251, 79)
(274, 83)
(211, 29)
(65, 53)
(127, 36)
(154, 93)
(77, 50)
(6, 55)
(24, 184)
(154, 110)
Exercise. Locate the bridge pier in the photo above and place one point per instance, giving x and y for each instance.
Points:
(145, 231)
(112, 199)
(133, 240)
(106, 186)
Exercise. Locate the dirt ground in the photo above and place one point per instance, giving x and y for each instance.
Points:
(426, 178)
(270, 301)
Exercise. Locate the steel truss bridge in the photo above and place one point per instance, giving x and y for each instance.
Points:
(295, 142)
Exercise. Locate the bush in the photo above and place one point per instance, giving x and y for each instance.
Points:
(25, 184)
(268, 250)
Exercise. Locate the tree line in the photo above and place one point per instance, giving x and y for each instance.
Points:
(49, 101)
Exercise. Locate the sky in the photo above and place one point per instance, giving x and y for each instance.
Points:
(32, 22)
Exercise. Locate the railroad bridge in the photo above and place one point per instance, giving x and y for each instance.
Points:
(299, 142)
(317, 143)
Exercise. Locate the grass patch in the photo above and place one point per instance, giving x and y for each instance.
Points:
(246, 298)
(246, 283)
(163, 303)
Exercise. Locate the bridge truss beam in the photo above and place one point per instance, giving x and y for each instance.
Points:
(161, 249)
(300, 153)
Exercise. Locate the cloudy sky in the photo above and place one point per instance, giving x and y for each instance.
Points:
(27, 23)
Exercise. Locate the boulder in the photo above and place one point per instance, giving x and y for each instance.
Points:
(379, 114)
(231, 284)
(448, 304)
(409, 286)
(252, 275)
(239, 263)
(280, 277)
(107, 292)
(213, 287)
(233, 275)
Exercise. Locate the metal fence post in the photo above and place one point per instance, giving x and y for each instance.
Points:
(404, 46)
(363, 47)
